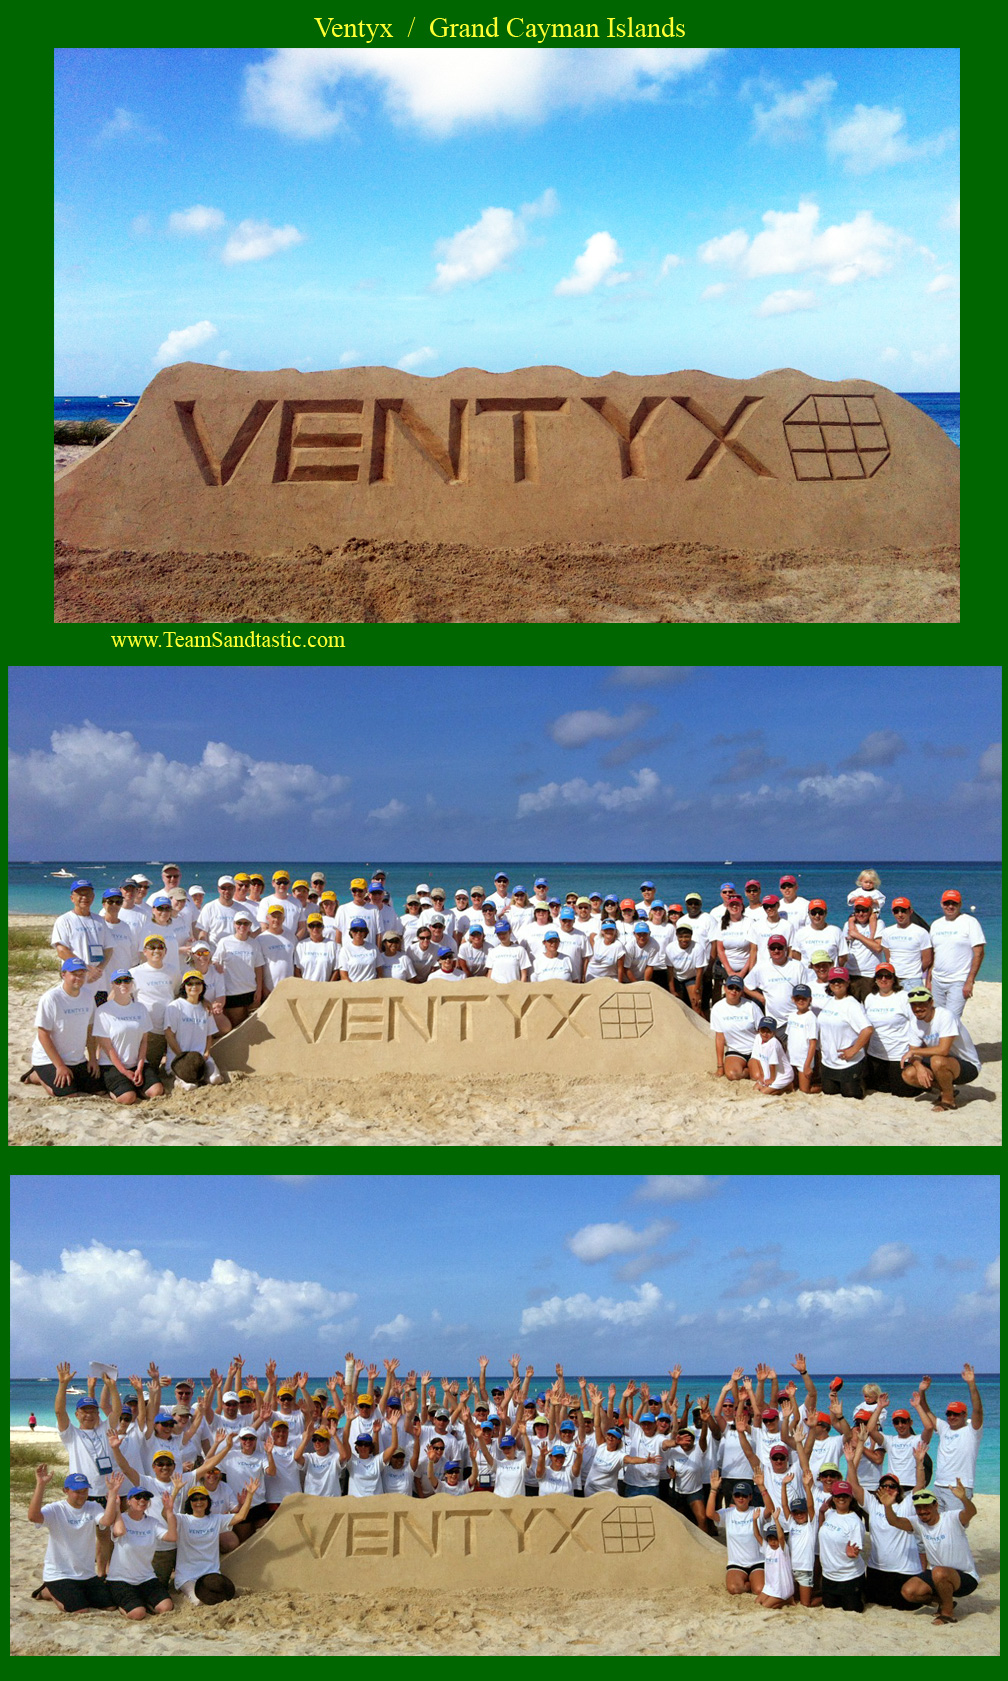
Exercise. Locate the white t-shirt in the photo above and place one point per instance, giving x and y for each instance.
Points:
(133, 1553)
(861, 959)
(86, 936)
(365, 1475)
(293, 911)
(360, 962)
(807, 940)
(70, 1544)
(604, 959)
(603, 1474)
(738, 1023)
(744, 1551)
(155, 988)
(125, 948)
(351, 913)
(801, 1031)
(241, 1468)
(217, 920)
(288, 1475)
(239, 959)
(398, 968)
(278, 956)
(900, 1457)
(773, 1059)
(637, 1445)
(957, 1454)
(509, 1481)
(507, 963)
(322, 1474)
(836, 1529)
(85, 1448)
(198, 1545)
(318, 959)
(552, 968)
(67, 1020)
(952, 943)
(892, 1023)
(689, 1465)
(944, 1025)
(736, 940)
(889, 1548)
(945, 1543)
(473, 957)
(775, 981)
(399, 1481)
(192, 1025)
(905, 947)
(139, 918)
(841, 1020)
(124, 1025)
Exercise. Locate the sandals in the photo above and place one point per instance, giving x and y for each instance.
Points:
(941, 1618)
(947, 1107)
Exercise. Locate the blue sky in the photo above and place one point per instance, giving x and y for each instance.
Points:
(644, 210)
(580, 762)
(604, 1274)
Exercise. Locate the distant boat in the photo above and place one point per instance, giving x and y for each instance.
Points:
(121, 403)
(73, 1391)
(103, 396)
(728, 860)
(155, 862)
(67, 873)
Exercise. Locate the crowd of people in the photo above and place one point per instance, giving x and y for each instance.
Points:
(872, 1000)
(815, 1508)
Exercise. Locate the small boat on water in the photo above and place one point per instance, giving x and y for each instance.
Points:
(75, 1391)
(121, 403)
(67, 873)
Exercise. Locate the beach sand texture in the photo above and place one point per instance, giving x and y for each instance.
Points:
(375, 495)
(688, 1620)
(652, 1107)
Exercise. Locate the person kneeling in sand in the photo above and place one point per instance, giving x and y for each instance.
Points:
(943, 1055)
(197, 1562)
(734, 1021)
(69, 1579)
(951, 1571)
(770, 1069)
(64, 1059)
(136, 1535)
(745, 1570)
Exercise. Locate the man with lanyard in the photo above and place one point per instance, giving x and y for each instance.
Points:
(79, 934)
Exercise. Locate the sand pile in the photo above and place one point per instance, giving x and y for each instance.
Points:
(346, 480)
(442, 1030)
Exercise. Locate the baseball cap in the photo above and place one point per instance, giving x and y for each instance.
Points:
(902, 905)
(557, 1452)
(315, 920)
(836, 974)
(540, 881)
(843, 1488)
(727, 887)
(71, 965)
(924, 1497)
(89, 1401)
(956, 1407)
(358, 922)
(801, 991)
(901, 1412)
(609, 923)
(817, 904)
(788, 881)
(767, 1025)
(950, 893)
(733, 984)
(139, 1493)
(76, 1479)
(359, 884)
(229, 1395)
(243, 916)
(648, 1418)
(693, 899)
(770, 899)
(642, 928)
(614, 1431)
(451, 1466)
(919, 995)
(80, 884)
(884, 969)
(777, 940)
(864, 904)
(223, 881)
(646, 884)
(567, 914)
(161, 901)
(502, 925)
(769, 1413)
(248, 1431)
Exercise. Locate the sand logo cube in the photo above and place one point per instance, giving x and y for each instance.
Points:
(836, 437)
(624, 1016)
(628, 1529)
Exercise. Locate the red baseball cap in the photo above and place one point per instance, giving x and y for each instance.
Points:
(788, 881)
(836, 1384)
(952, 893)
(902, 905)
(901, 1412)
(817, 904)
(771, 1412)
(824, 1418)
(838, 975)
(953, 1407)
(843, 1488)
(864, 904)
(884, 969)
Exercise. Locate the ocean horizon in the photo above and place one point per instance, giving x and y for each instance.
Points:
(941, 406)
(32, 887)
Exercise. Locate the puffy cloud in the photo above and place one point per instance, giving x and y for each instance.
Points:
(847, 789)
(198, 219)
(390, 813)
(105, 776)
(874, 138)
(601, 1242)
(181, 340)
(555, 796)
(126, 125)
(889, 1260)
(478, 251)
(847, 1302)
(597, 263)
(444, 89)
(646, 1303)
(881, 747)
(716, 290)
(763, 1271)
(990, 762)
(789, 115)
(992, 1275)
(101, 1295)
(943, 283)
(252, 241)
(417, 358)
(677, 1187)
(787, 302)
(793, 243)
(668, 264)
(576, 729)
(396, 1327)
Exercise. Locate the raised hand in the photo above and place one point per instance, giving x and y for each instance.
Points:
(43, 1476)
(799, 1364)
(968, 1374)
(166, 1502)
(137, 1383)
(959, 1490)
(425, 1376)
(530, 1372)
(154, 1374)
(738, 1374)
(177, 1485)
(513, 1363)
(63, 1371)
(883, 1400)
(372, 1371)
(115, 1480)
(788, 1477)
(484, 1361)
(924, 1385)
(215, 1377)
(676, 1373)
(920, 1449)
(114, 1439)
(715, 1479)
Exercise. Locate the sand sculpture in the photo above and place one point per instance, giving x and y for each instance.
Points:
(314, 1545)
(213, 460)
(343, 1031)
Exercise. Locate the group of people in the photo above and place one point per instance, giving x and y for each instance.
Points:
(871, 1000)
(814, 1507)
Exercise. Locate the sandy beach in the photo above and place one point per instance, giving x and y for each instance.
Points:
(688, 1623)
(524, 1109)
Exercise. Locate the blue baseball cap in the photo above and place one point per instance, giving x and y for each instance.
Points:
(801, 991)
(502, 925)
(594, 894)
(551, 934)
(520, 889)
(376, 887)
(767, 1024)
(76, 1479)
(567, 914)
(540, 881)
(646, 884)
(613, 1431)
(648, 1418)
(727, 884)
(112, 893)
(609, 923)
(568, 1425)
(658, 904)
(557, 1452)
(72, 965)
(393, 1403)
(475, 928)
(76, 886)
(160, 900)
(358, 922)
(734, 983)
(165, 1418)
(88, 1401)
(508, 1442)
(642, 927)
(663, 1416)
(365, 1437)
(452, 1465)
(502, 876)
(139, 1493)
(445, 951)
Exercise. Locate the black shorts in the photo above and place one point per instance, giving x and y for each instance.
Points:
(679, 987)
(745, 1570)
(844, 1596)
(130, 1596)
(90, 1595)
(884, 1587)
(967, 1584)
(239, 1000)
(844, 1082)
(966, 1075)
(887, 1076)
(82, 1084)
(660, 977)
(118, 1084)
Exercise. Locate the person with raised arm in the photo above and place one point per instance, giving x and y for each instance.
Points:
(69, 1577)
(322, 1466)
(556, 1473)
(958, 1441)
(843, 1542)
(137, 1533)
(778, 1576)
(744, 1571)
(894, 1575)
(952, 1571)
(797, 1519)
(202, 1535)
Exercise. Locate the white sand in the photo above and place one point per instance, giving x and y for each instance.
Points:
(547, 1622)
(511, 1109)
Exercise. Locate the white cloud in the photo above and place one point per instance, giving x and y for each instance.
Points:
(879, 747)
(183, 339)
(547, 204)
(648, 676)
(668, 264)
(576, 729)
(793, 243)
(417, 358)
(349, 358)
(790, 112)
(252, 241)
(847, 789)
(787, 302)
(117, 1296)
(943, 283)
(889, 353)
(389, 813)
(874, 138)
(717, 290)
(677, 1187)
(990, 762)
(889, 1260)
(107, 777)
(847, 1302)
(597, 263)
(444, 89)
(992, 1275)
(601, 1242)
(124, 124)
(141, 226)
(396, 1327)
(553, 796)
(646, 1303)
(198, 219)
(478, 251)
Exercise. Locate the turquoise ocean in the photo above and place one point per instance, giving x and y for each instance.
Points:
(33, 887)
(37, 1395)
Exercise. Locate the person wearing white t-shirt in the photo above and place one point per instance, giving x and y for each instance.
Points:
(548, 965)
(952, 1571)
(322, 1461)
(844, 1033)
(606, 953)
(69, 1578)
(801, 1035)
(959, 1436)
(277, 949)
(906, 945)
(124, 938)
(888, 1009)
(894, 1575)
(773, 977)
(958, 943)
(940, 1052)
(315, 958)
(64, 1060)
(744, 1571)
(163, 924)
(734, 1021)
(135, 912)
(422, 952)
(508, 960)
(138, 1529)
(642, 951)
(864, 943)
(121, 1029)
(202, 1537)
(358, 960)
(394, 964)
(843, 1543)
(770, 1068)
(793, 905)
(79, 934)
(819, 935)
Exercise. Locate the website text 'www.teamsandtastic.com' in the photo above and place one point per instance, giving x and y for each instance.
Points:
(187, 640)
